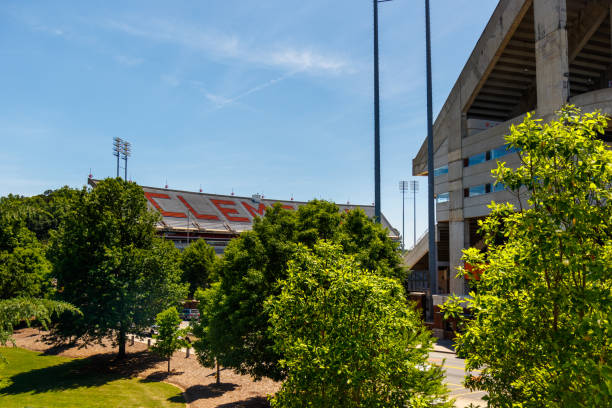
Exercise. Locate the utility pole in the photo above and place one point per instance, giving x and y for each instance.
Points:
(433, 270)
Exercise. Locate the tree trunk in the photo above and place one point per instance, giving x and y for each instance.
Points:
(121, 339)
(218, 375)
(169, 364)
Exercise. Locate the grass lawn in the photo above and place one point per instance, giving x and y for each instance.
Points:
(34, 380)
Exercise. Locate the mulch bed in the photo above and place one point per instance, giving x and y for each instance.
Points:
(197, 382)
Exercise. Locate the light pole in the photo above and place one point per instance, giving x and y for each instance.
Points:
(126, 151)
(433, 272)
(117, 144)
(377, 215)
(403, 186)
(414, 188)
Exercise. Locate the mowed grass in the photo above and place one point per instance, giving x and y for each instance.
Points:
(30, 379)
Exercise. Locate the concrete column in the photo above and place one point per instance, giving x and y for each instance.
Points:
(552, 68)
(456, 234)
(456, 241)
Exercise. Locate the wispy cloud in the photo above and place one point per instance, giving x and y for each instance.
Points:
(224, 46)
(221, 101)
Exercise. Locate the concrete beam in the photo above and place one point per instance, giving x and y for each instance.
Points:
(552, 67)
(589, 20)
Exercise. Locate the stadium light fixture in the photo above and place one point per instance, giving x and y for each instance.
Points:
(117, 145)
(126, 151)
(403, 187)
(414, 188)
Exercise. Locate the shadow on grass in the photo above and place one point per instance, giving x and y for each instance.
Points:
(93, 371)
(213, 390)
(253, 402)
(158, 376)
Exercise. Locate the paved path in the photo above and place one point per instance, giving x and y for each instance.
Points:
(444, 355)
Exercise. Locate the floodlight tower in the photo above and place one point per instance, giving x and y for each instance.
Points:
(433, 268)
(403, 187)
(126, 151)
(414, 188)
(117, 145)
(377, 215)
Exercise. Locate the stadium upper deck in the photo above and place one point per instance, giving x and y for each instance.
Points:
(187, 215)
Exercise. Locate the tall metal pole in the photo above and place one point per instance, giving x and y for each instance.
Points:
(376, 121)
(414, 216)
(117, 144)
(403, 186)
(433, 270)
(403, 223)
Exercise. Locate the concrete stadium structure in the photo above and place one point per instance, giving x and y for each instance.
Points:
(188, 216)
(533, 56)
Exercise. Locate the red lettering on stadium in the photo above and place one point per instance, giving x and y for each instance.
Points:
(227, 211)
(254, 212)
(196, 214)
(151, 197)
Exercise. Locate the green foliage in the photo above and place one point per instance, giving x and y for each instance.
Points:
(170, 337)
(41, 213)
(542, 333)
(237, 325)
(23, 267)
(109, 263)
(24, 272)
(211, 341)
(17, 310)
(348, 337)
(197, 261)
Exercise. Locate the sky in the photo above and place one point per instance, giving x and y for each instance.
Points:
(270, 97)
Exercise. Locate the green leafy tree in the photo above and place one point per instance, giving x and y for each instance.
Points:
(349, 338)
(542, 333)
(197, 261)
(17, 310)
(210, 340)
(24, 273)
(41, 213)
(24, 270)
(109, 263)
(255, 261)
(170, 337)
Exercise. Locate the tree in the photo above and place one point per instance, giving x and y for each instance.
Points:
(349, 338)
(41, 213)
(17, 310)
(211, 338)
(197, 261)
(171, 336)
(109, 263)
(24, 270)
(255, 261)
(541, 332)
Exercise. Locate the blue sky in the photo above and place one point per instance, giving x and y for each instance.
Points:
(271, 97)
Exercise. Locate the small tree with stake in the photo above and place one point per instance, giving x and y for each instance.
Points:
(171, 337)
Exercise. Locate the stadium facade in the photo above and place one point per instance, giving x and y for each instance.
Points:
(188, 216)
(533, 56)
